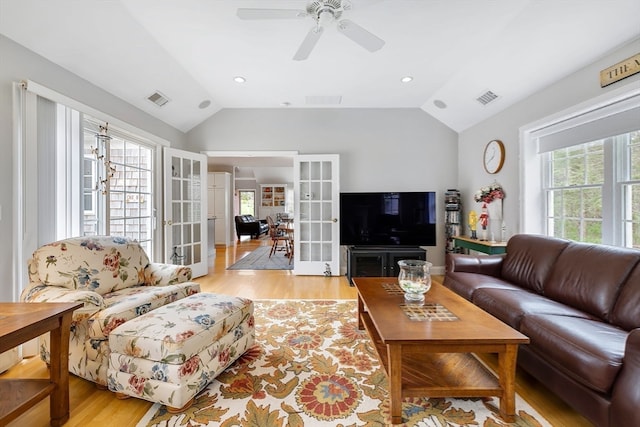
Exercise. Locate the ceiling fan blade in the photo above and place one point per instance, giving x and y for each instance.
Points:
(359, 35)
(308, 43)
(244, 13)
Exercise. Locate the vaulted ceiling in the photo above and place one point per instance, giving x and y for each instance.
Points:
(191, 50)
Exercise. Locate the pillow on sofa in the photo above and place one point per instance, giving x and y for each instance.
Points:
(101, 263)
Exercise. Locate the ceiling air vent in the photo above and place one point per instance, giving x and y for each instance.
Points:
(158, 99)
(324, 100)
(486, 97)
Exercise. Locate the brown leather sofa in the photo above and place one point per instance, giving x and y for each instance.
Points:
(579, 304)
(247, 225)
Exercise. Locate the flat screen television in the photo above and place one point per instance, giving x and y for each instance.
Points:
(388, 219)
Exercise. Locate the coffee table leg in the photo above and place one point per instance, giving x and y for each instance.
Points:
(360, 311)
(394, 357)
(507, 373)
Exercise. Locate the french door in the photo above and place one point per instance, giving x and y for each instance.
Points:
(185, 205)
(316, 198)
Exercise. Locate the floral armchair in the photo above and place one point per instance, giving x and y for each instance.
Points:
(114, 279)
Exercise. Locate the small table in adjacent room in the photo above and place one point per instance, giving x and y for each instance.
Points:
(427, 350)
(19, 323)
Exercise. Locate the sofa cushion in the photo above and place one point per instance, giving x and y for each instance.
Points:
(245, 218)
(100, 263)
(511, 305)
(589, 277)
(589, 351)
(196, 323)
(626, 312)
(466, 284)
(530, 259)
(126, 304)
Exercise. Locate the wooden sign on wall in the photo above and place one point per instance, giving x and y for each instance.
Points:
(621, 70)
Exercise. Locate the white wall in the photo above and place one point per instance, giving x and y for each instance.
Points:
(576, 88)
(18, 63)
(380, 149)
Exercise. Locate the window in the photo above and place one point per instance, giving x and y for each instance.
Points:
(574, 187)
(629, 183)
(589, 169)
(89, 179)
(576, 180)
(247, 202)
(126, 194)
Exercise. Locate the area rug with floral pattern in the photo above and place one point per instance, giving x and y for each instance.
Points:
(311, 366)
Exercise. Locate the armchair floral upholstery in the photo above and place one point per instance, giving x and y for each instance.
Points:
(114, 279)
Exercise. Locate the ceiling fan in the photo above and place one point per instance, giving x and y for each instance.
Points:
(323, 12)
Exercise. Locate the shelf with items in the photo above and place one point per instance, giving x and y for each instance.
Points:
(273, 195)
(452, 219)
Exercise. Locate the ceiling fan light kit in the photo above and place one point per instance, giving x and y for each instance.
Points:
(323, 12)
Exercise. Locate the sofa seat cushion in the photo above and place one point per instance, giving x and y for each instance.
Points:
(589, 351)
(510, 305)
(466, 284)
(100, 263)
(126, 304)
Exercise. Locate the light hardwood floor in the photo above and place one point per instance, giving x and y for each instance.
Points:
(90, 406)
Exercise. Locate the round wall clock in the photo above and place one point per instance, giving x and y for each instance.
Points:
(493, 158)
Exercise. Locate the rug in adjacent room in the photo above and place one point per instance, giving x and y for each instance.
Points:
(311, 366)
(259, 260)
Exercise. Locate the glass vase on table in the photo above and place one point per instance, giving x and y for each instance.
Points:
(414, 279)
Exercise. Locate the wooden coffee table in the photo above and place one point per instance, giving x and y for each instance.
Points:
(20, 322)
(427, 351)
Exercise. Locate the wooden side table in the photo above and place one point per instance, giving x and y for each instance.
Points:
(491, 248)
(19, 323)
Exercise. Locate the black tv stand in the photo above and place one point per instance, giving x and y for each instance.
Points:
(379, 261)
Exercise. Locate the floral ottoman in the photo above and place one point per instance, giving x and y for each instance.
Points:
(170, 354)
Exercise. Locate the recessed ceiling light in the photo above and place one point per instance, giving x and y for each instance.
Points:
(440, 104)
(239, 79)
(406, 79)
(204, 104)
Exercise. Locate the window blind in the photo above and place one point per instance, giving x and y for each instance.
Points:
(610, 120)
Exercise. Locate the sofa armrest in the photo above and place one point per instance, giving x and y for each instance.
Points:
(625, 399)
(158, 274)
(39, 292)
(490, 265)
